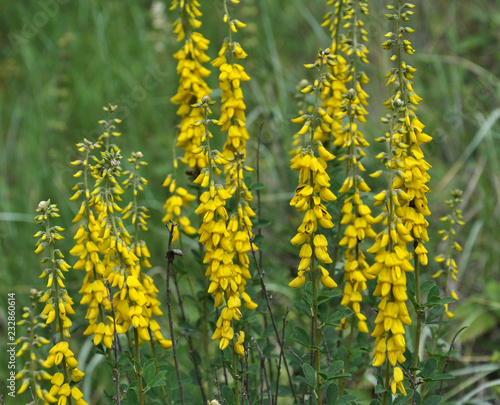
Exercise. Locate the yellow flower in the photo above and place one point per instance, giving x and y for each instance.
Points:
(239, 346)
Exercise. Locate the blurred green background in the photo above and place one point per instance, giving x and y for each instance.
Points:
(61, 61)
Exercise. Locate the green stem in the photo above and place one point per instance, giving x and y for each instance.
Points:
(57, 293)
(32, 355)
(236, 382)
(157, 364)
(138, 371)
(419, 321)
(348, 359)
(317, 337)
(387, 380)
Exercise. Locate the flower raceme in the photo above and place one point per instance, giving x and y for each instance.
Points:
(192, 85)
(223, 241)
(179, 199)
(61, 353)
(347, 104)
(108, 254)
(314, 188)
(30, 344)
(58, 303)
(57, 307)
(405, 204)
(450, 270)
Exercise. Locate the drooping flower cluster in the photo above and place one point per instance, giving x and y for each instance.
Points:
(339, 73)
(314, 188)
(58, 303)
(107, 251)
(31, 375)
(233, 121)
(405, 201)
(450, 269)
(222, 241)
(179, 199)
(57, 307)
(192, 86)
(61, 355)
(347, 136)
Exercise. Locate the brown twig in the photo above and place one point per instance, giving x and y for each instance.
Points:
(188, 338)
(216, 380)
(273, 321)
(449, 354)
(196, 366)
(278, 362)
(170, 261)
(263, 369)
(259, 231)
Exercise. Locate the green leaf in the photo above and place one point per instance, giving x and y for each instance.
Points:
(429, 367)
(149, 371)
(228, 395)
(426, 286)
(335, 368)
(269, 332)
(300, 378)
(433, 400)
(338, 315)
(343, 375)
(310, 375)
(433, 292)
(257, 186)
(439, 377)
(439, 301)
(346, 399)
(130, 397)
(325, 295)
(262, 223)
(375, 402)
(301, 336)
(307, 297)
(258, 239)
(332, 392)
(159, 379)
(400, 400)
(435, 313)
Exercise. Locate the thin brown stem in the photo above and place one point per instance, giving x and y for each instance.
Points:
(273, 321)
(170, 261)
(263, 371)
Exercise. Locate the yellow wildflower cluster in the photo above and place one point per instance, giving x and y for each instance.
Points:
(449, 236)
(408, 138)
(224, 240)
(179, 199)
(58, 304)
(314, 188)
(233, 121)
(356, 216)
(339, 73)
(107, 252)
(61, 355)
(192, 86)
(405, 202)
(30, 374)
(57, 307)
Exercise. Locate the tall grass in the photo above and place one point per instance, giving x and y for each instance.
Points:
(93, 53)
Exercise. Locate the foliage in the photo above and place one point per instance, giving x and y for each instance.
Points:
(251, 318)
